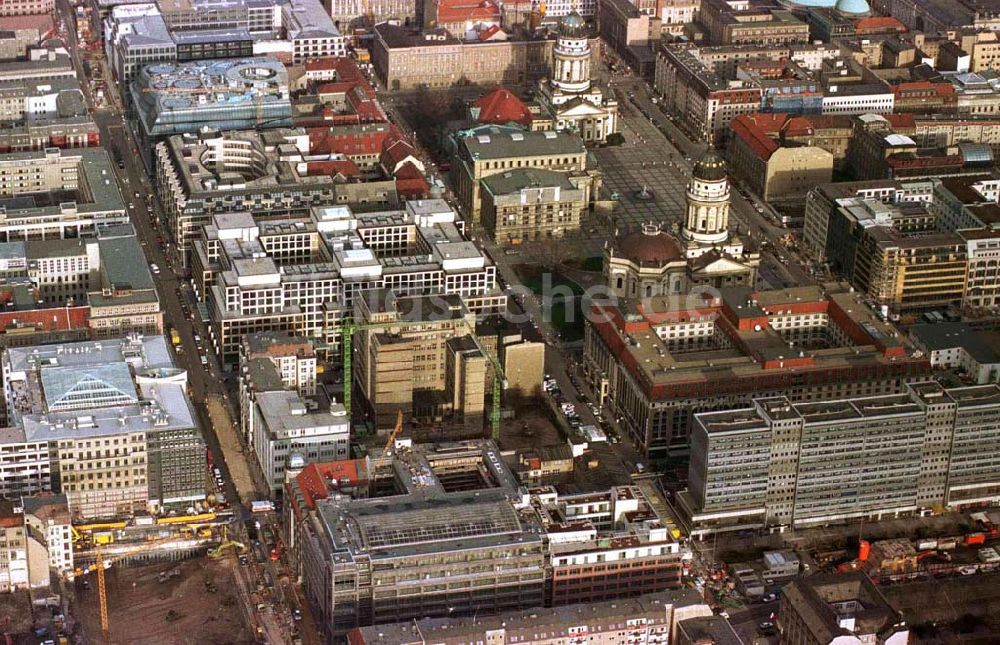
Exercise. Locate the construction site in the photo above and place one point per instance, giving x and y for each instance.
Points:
(195, 601)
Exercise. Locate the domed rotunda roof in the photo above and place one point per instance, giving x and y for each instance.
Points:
(649, 247)
(572, 24)
(710, 167)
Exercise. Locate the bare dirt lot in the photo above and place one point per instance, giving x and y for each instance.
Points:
(183, 610)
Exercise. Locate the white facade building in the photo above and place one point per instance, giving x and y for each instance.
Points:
(283, 425)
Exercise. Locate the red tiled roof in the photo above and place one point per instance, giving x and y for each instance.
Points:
(451, 11)
(827, 121)
(941, 89)
(499, 106)
(489, 32)
(410, 182)
(746, 129)
(797, 126)
(901, 121)
(356, 141)
(395, 151)
(315, 478)
(877, 24)
(323, 64)
(332, 168)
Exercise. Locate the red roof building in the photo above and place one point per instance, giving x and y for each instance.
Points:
(318, 480)
(500, 106)
(462, 15)
(879, 25)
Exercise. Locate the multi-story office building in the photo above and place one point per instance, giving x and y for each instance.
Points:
(66, 193)
(121, 433)
(772, 162)
(200, 175)
(304, 275)
(613, 535)
(650, 619)
(779, 463)
(659, 361)
(495, 150)
(824, 200)
(418, 356)
(406, 58)
(446, 541)
(749, 24)
(352, 14)
(284, 427)
(896, 254)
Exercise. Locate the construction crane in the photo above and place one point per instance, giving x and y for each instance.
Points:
(349, 328)
(392, 435)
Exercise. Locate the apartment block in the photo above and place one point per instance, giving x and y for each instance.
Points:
(658, 362)
(304, 275)
(293, 357)
(48, 521)
(778, 463)
(14, 551)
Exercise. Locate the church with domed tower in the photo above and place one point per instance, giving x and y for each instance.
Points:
(571, 99)
(654, 262)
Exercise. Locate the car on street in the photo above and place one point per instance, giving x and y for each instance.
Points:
(244, 561)
(765, 626)
(296, 614)
(155, 269)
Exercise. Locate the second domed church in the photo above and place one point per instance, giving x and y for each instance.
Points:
(653, 262)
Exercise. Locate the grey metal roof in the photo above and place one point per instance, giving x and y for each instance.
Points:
(497, 144)
(520, 178)
(124, 263)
